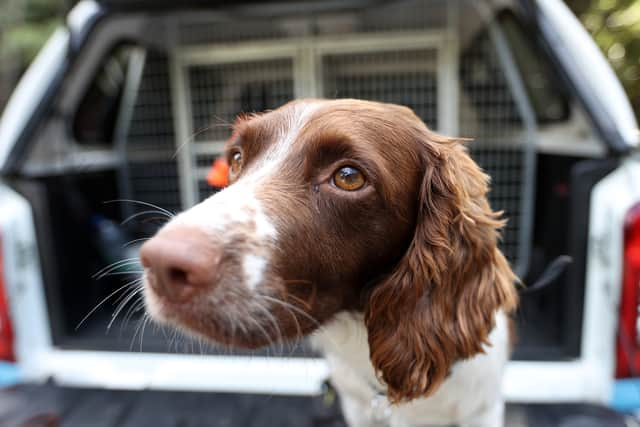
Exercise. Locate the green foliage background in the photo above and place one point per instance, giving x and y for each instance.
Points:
(24, 27)
(615, 25)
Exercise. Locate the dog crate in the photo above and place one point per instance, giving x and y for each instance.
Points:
(409, 52)
(150, 102)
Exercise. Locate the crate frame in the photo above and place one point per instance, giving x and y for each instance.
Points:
(307, 55)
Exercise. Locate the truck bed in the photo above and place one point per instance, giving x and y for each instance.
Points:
(49, 405)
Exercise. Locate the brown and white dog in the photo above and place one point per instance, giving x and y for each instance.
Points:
(350, 220)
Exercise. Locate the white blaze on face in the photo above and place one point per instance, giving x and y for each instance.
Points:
(253, 267)
(238, 205)
(234, 206)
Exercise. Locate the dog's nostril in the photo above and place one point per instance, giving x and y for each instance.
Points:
(177, 275)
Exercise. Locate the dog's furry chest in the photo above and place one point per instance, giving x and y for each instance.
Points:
(471, 389)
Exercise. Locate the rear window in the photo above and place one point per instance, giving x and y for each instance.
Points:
(547, 96)
(97, 115)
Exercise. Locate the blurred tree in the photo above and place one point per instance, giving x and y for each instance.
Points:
(24, 27)
(615, 25)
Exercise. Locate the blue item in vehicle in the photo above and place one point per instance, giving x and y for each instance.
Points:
(626, 395)
(9, 374)
(112, 243)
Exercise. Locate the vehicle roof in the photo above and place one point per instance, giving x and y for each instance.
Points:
(158, 5)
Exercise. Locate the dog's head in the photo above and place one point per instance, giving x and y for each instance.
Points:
(333, 206)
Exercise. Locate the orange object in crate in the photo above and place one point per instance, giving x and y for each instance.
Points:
(218, 175)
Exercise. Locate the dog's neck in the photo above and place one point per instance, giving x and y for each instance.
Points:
(344, 343)
(344, 340)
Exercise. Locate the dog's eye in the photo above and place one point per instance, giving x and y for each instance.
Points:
(349, 178)
(236, 163)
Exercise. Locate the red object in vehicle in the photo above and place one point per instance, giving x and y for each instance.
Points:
(6, 330)
(628, 343)
(218, 175)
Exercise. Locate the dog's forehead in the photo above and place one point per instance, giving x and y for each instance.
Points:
(298, 115)
(384, 134)
(284, 120)
(274, 130)
(286, 125)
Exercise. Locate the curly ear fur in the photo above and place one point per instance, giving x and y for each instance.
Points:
(438, 304)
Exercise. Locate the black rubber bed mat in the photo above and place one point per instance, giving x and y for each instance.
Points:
(52, 406)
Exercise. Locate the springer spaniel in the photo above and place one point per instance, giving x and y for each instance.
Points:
(351, 221)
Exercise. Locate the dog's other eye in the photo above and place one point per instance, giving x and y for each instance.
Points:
(236, 163)
(349, 178)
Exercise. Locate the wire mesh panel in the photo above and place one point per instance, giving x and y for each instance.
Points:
(152, 170)
(219, 92)
(407, 77)
(489, 115)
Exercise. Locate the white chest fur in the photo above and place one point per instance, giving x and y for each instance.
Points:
(470, 396)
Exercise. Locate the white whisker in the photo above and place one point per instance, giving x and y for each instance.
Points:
(121, 273)
(101, 303)
(135, 333)
(134, 241)
(123, 304)
(136, 215)
(115, 266)
(144, 324)
(271, 318)
(151, 205)
(134, 308)
(292, 307)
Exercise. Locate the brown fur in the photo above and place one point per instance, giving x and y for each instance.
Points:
(438, 304)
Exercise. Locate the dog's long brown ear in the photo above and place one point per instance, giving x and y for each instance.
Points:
(438, 304)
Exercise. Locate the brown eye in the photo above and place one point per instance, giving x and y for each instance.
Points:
(236, 163)
(349, 179)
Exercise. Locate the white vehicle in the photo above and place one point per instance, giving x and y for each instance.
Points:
(129, 101)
